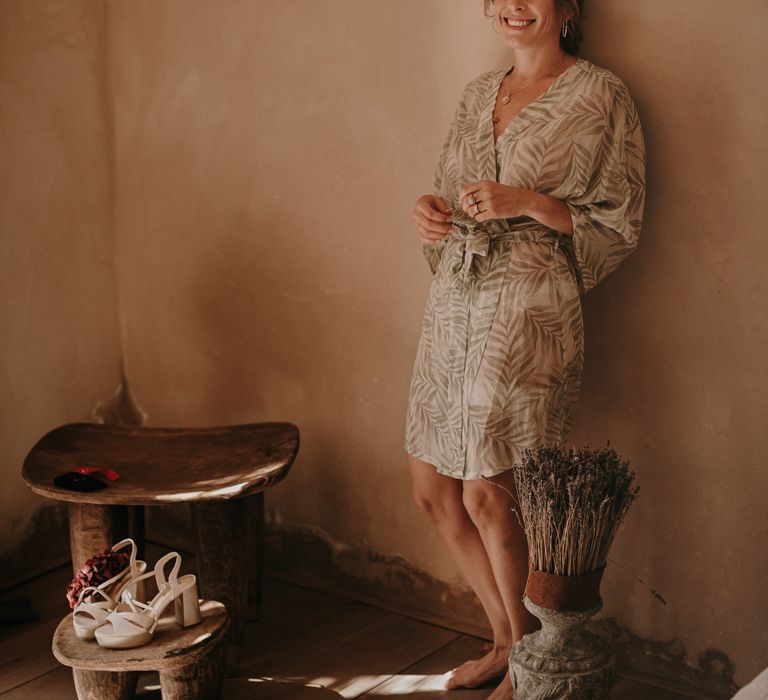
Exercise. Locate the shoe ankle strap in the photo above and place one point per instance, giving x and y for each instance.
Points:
(158, 573)
(160, 569)
(122, 544)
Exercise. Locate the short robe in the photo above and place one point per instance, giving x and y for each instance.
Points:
(499, 361)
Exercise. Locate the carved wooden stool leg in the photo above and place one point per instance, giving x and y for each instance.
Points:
(201, 680)
(224, 562)
(105, 685)
(256, 528)
(137, 529)
(92, 529)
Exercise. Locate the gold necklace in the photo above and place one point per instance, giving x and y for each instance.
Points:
(508, 97)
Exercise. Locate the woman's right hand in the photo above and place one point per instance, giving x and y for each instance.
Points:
(432, 217)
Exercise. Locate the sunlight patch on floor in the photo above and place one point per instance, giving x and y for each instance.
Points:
(322, 682)
(405, 684)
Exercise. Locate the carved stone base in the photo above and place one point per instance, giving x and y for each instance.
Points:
(562, 661)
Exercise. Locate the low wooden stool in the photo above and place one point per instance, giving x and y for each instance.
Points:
(221, 472)
(190, 661)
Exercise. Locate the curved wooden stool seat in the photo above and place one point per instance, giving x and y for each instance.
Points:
(221, 472)
(164, 465)
(190, 661)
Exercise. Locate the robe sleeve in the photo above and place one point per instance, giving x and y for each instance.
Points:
(607, 212)
(442, 185)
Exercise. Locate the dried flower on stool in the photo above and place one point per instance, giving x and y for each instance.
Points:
(99, 568)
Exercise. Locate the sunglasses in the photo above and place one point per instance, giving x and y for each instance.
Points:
(83, 479)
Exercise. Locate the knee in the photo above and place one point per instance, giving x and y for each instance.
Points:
(486, 508)
(441, 509)
(437, 496)
(435, 507)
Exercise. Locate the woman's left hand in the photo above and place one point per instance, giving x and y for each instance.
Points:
(487, 199)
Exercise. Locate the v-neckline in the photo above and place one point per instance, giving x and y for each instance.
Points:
(494, 95)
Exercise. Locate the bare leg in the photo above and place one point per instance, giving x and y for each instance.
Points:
(440, 498)
(491, 509)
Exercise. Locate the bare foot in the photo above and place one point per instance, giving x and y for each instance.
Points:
(474, 673)
(504, 691)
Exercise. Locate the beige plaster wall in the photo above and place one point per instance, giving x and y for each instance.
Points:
(58, 295)
(678, 371)
(268, 155)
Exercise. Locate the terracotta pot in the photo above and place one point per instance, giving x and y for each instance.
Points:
(564, 593)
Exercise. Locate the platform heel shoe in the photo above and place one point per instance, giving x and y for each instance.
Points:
(94, 603)
(133, 623)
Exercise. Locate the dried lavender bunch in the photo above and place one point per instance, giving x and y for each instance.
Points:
(572, 502)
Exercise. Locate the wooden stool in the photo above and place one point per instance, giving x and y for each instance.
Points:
(222, 472)
(190, 661)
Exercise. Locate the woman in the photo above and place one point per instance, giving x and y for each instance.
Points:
(538, 196)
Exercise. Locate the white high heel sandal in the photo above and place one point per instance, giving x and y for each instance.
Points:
(132, 623)
(96, 602)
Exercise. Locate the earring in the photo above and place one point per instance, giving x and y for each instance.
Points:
(565, 28)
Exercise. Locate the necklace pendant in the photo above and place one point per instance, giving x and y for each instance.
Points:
(505, 100)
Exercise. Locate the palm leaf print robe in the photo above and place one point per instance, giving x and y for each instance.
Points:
(499, 362)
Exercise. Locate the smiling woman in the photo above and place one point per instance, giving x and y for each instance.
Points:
(571, 34)
(538, 195)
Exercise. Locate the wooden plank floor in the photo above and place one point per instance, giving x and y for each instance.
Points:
(308, 645)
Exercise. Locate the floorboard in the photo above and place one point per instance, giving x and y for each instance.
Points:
(286, 609)
(262, 689)
(55, 685)
(306, 645)
(27, 656)
(350, 652)
(46, 593)
(425, 679)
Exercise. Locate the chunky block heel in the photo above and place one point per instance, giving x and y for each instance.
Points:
(187, 607)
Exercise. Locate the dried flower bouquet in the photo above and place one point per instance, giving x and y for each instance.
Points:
(572, 503)
(99, 568)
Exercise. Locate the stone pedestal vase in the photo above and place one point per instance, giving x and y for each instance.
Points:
(562, 660)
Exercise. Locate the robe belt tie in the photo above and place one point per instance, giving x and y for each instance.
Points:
(474, 241)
